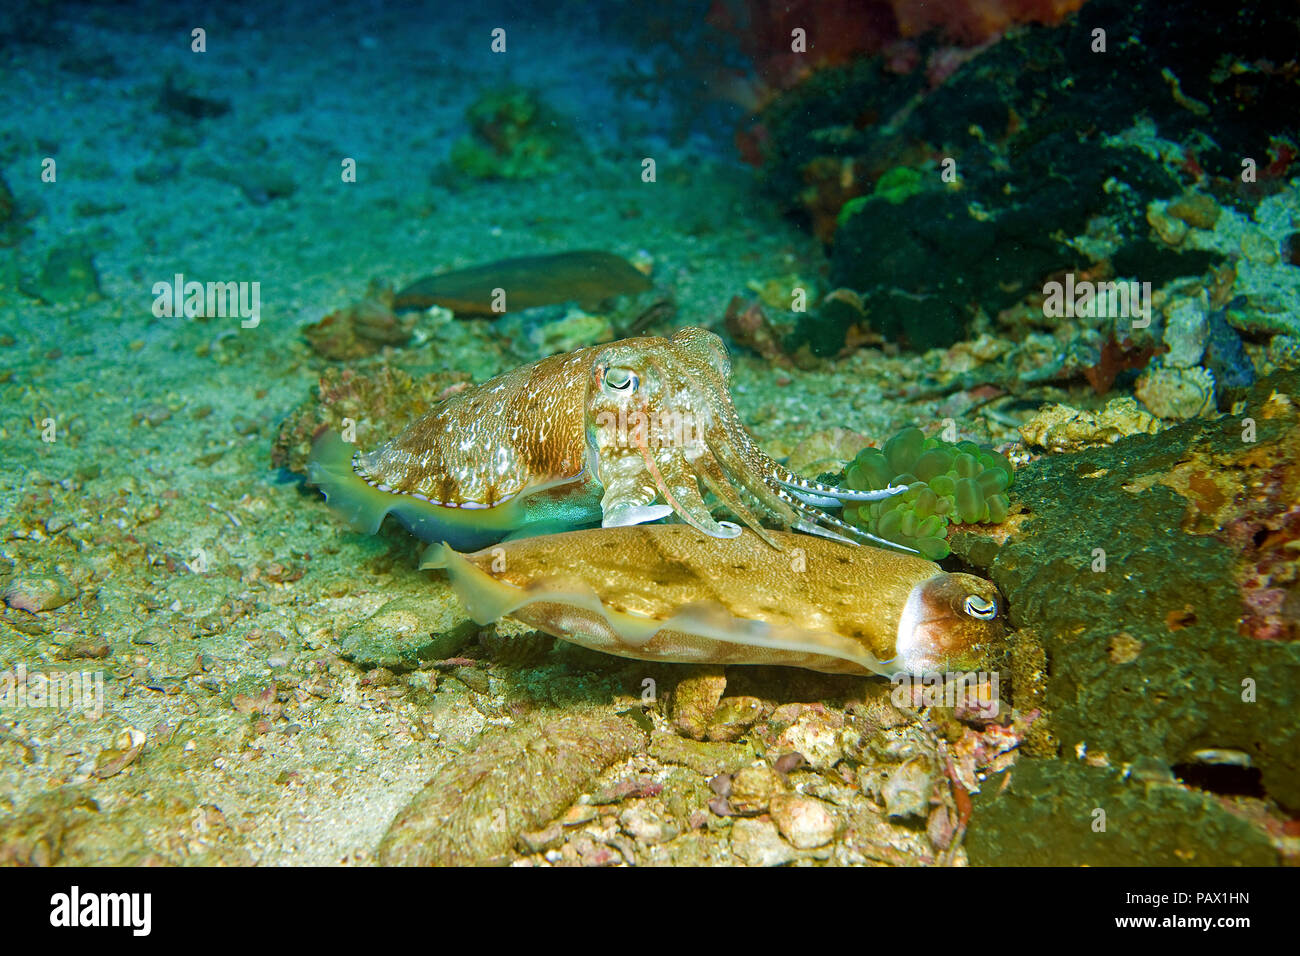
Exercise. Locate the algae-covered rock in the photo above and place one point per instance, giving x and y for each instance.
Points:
(1165, 538)
(68, 277)
(516, 779)
(379, 401)
(1060, 428)
(704, 757)
(409, 630)
(514, 135)
(1053, 811)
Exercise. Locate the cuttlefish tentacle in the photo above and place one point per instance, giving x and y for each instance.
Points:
(728, 463)
(851, 534)
(677, 483)
(783, 494)
(830, 494)
(708, 469)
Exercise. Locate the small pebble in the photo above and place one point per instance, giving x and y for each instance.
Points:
(152, 415)
(35, 591)
(804, 821)
(56, 523)
(645, 826)
(758, 843)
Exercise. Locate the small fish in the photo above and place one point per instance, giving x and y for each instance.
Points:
(587, 277)
(671, 593)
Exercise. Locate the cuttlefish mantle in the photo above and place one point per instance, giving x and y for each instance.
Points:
(671, 593)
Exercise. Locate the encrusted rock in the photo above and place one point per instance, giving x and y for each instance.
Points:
(1196, 209)
(513, 781)
(1062, 428)
(817, 734)
(907, 791)
(734, 716)
(1171, 230)
(704, 758)
(1178, 393)
(1186, 328)
(757, 843)
(696, 698)
(752, 789)
(804, 821)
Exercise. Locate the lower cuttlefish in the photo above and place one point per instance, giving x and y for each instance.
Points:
(669, 593)
(616, 435)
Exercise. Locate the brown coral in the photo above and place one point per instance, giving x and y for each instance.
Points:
(384, 398)
(360, 329)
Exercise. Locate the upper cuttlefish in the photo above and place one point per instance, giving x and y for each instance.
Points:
(616, 434)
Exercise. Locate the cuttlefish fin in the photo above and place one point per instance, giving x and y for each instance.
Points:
(712, 620)
(330, 470)
(485, 598)
(488, 599)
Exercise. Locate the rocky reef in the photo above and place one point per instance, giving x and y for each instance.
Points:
(1142, 566)
(1004, 168)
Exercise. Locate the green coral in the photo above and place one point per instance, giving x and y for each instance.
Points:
(899, 184)
(514, 136)
(895, 186)
(947, 483)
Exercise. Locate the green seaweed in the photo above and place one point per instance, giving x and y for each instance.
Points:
(513, 136)
(947, 483)
(895, 186)
(899, 184)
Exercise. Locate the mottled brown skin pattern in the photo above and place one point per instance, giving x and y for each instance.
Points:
(646, 422)
(491, 441)
(812, 583)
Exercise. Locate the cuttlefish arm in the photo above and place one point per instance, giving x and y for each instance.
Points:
(672, 593)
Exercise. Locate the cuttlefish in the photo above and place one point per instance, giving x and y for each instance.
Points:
(587, 277)
(615, 435)
(671, 593)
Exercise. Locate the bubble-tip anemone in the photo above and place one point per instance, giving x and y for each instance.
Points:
(948, 483)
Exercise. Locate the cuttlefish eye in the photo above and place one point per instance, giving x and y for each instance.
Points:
(980, 607)
(621, 379)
